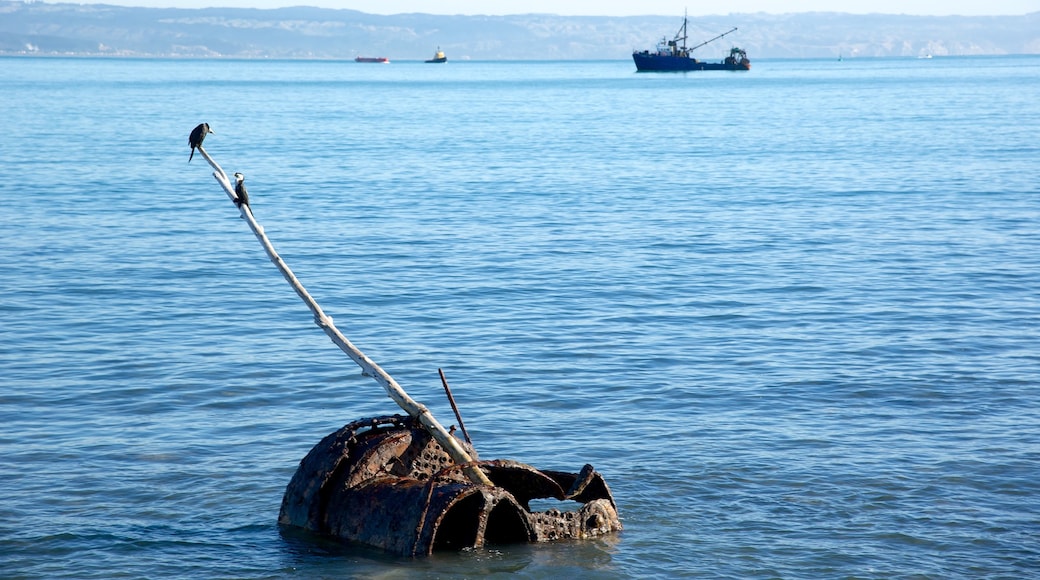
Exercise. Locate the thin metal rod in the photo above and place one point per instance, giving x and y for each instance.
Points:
(454, 407)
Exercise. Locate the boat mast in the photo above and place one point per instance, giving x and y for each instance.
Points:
(683, 32)
(416, 410)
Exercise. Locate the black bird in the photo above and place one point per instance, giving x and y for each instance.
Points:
(196, 137)
(240, 190)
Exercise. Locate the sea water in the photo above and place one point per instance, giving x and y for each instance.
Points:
(792, 315)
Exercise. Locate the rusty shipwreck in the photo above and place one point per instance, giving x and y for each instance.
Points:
(385, 482)
(405, 484)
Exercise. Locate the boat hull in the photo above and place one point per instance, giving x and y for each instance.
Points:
(649, 62)
(440, 59)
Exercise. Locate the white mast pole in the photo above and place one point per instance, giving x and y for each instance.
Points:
(393, 390)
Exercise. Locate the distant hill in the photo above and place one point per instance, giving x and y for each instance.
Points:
(75, 29)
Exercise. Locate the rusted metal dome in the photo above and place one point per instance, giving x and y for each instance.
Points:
(386, 482)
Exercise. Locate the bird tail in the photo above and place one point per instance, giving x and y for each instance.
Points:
(192, 154)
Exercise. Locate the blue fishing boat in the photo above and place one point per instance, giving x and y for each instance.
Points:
(674, 55)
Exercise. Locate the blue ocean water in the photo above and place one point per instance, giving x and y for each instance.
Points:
(792, 315)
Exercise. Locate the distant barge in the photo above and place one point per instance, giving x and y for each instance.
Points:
(375, 59)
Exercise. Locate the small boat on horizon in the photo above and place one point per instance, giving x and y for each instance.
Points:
(375, 59)
(438, 56)
(673, 55)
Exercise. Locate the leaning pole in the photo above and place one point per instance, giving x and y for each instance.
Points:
(414, 409)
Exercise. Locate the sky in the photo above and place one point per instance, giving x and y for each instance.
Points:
(617, 7)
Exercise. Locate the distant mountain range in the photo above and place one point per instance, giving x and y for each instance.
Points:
(38, 28)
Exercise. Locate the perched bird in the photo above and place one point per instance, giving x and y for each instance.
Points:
(196, 137)
(240, 190)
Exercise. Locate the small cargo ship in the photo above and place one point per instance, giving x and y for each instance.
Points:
(674, 55)
(375, 59)
(438, 56)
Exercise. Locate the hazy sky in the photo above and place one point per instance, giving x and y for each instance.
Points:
(619, 7)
